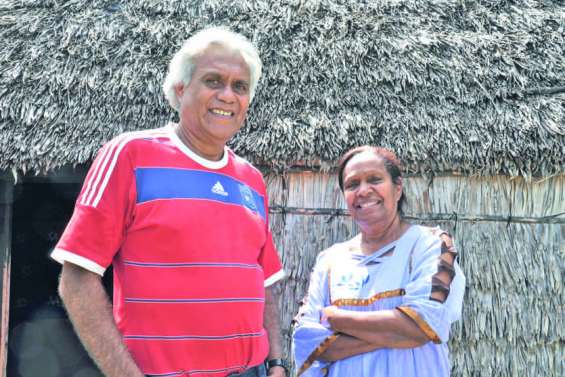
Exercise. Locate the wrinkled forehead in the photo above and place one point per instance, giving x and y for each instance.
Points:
(217, 54)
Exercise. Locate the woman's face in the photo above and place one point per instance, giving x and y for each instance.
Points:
(371, 195)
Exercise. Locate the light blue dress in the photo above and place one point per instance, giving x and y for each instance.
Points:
(400, 275)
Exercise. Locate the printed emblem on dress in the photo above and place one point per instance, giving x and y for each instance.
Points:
(348, 281)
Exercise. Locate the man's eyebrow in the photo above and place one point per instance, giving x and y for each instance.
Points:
(211, 73)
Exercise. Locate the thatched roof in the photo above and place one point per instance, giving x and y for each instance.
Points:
(470, 86)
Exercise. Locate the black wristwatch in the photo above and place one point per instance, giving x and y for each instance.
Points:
(277, 363)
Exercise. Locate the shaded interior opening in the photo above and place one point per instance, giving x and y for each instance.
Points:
(41, 340)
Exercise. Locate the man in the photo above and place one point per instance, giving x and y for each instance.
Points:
(184, 221)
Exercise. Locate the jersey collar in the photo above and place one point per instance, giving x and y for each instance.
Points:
(199, 159)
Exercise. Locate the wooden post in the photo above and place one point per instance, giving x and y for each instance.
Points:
(6, 198)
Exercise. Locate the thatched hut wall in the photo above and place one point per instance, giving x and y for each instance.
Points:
(509, 235)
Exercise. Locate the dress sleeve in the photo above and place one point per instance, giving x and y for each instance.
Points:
(434, 293)
(310, 337)
(102, 211)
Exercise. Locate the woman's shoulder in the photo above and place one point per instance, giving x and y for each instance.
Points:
(338, 250)
(430, 233)
(429, 237)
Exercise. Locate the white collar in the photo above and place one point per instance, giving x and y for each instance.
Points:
(210, 164)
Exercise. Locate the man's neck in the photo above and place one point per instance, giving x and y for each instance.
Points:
(205, 150)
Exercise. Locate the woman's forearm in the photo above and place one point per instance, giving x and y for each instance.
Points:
(387, 328)
(346, 346)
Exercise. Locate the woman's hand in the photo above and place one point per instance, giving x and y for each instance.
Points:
(329, 314)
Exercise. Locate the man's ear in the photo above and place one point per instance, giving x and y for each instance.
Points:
(179, 90)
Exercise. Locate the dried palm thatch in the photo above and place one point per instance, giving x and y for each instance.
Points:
(471, 86)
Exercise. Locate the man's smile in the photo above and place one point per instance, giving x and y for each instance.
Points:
(221, 112)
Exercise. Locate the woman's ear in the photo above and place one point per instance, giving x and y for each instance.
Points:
(398, 188)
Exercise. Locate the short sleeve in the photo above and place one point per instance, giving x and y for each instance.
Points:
(269, 258)
(310, 337)
(98, 224)
(434, 294)
(270, 262)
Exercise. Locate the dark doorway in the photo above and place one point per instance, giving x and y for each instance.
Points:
(41, 339)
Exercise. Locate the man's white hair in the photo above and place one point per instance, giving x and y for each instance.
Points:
(182, 64)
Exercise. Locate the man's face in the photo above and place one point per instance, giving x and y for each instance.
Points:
(214, 105)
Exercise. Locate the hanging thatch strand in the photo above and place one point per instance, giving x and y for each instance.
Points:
(472, 86)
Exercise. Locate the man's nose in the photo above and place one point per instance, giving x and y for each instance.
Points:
(226, 94)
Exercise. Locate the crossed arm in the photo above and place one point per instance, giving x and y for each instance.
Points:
(362, 332)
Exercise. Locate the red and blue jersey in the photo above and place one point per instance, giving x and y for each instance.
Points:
(191, 248)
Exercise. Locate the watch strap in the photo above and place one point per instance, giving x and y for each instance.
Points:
(277, 363)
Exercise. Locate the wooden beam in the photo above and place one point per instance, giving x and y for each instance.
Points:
(558, 218)
(6, 199)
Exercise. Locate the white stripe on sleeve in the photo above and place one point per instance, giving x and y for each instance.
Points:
(62, 256)
(110, 170)
(97, 174)
(93, 197)
(274, 278)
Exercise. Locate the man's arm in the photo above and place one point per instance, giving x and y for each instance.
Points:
(271, 322)
(90, 311)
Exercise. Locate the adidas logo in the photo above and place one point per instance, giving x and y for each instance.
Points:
(219, 189)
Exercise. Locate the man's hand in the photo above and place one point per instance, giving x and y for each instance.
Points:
(276, 372)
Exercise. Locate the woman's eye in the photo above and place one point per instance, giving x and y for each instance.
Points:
(374, 180)
(350, 185)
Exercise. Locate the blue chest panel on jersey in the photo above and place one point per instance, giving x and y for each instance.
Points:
(170, 183)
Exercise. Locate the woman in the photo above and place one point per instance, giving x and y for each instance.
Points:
(380, 304)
